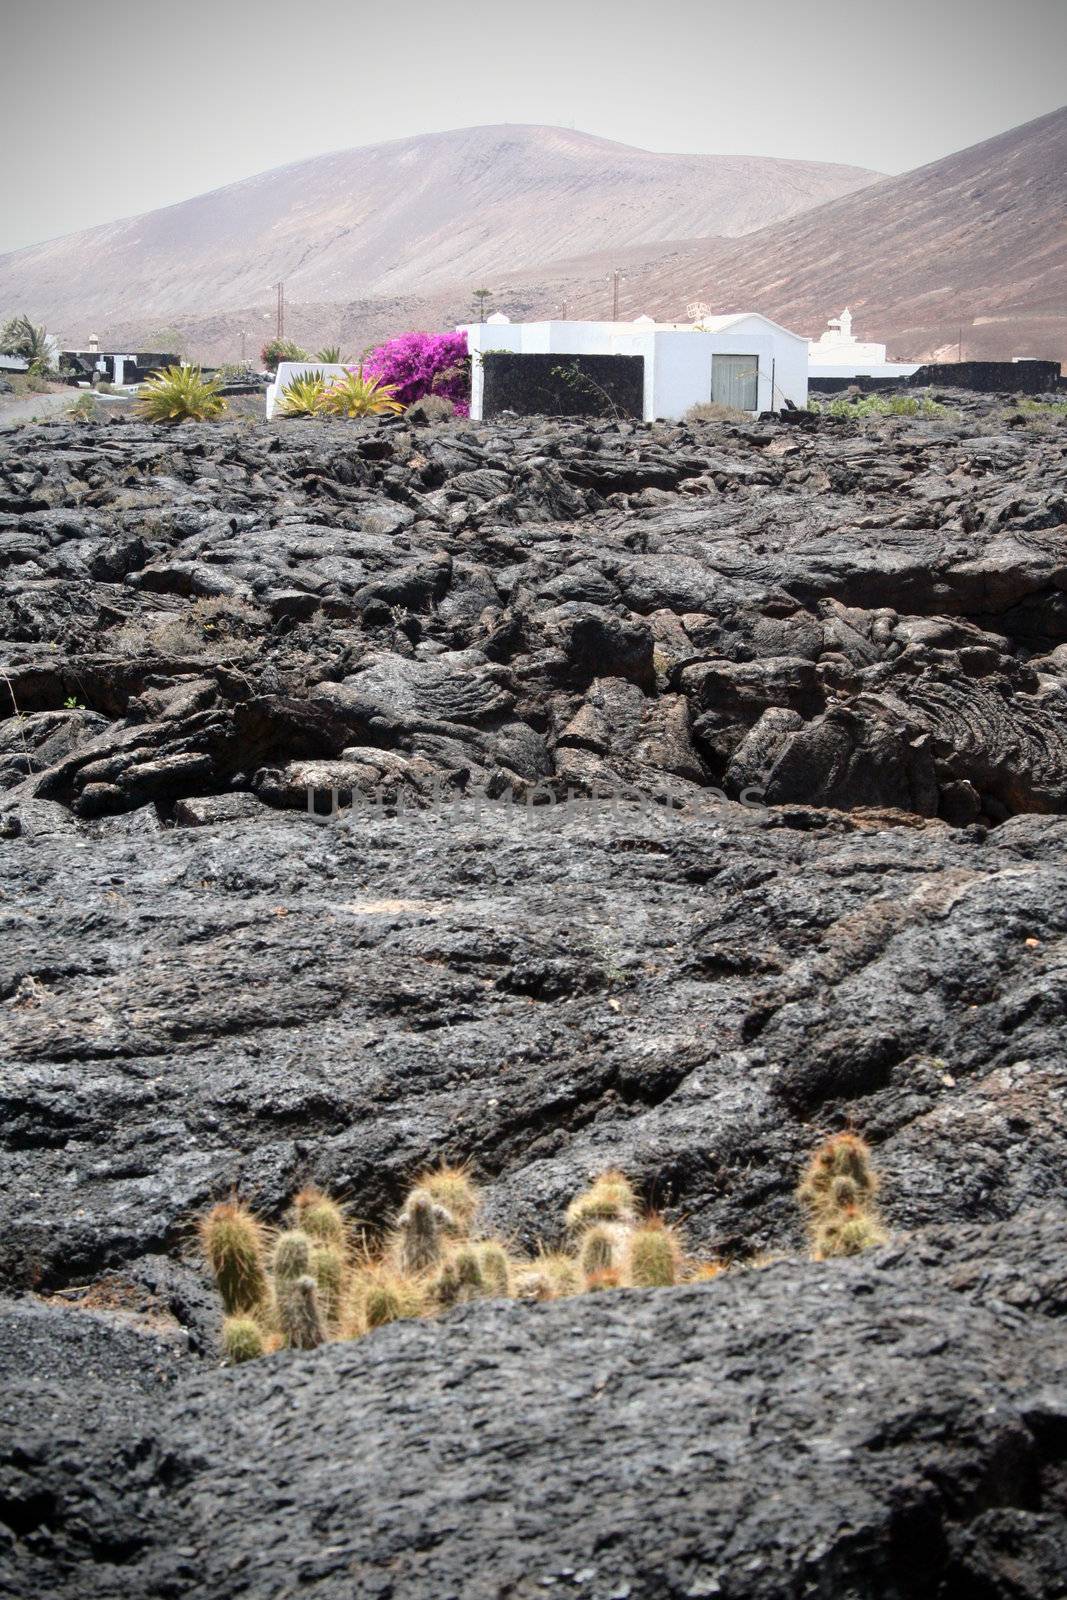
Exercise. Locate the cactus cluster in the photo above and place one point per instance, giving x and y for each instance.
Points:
(838, 1192)
(311, 1281)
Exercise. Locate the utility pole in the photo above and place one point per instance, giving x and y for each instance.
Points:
(281, 310)
(615, 295)
(959, 347)
(243, 338)
(564, 314)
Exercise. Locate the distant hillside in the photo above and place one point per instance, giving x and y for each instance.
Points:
(402, 218)
(977, 241)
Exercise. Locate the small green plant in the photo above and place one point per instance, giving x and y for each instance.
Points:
(83, 409)
(357, 396)
(305, 396)
(330, 354)
(71, 703)
(180, 394)
(876, 405)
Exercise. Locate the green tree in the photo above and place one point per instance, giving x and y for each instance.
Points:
(19, 337)
(481, 298)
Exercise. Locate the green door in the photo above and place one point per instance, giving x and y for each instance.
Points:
(734, 380)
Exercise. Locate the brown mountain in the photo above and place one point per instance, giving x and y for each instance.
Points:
(400, 218)
(975, 242)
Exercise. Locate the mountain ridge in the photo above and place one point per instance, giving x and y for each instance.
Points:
(403, 217)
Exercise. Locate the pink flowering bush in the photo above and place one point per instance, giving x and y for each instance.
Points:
(418, 364)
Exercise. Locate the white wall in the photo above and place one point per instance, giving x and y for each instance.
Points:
(862, 369)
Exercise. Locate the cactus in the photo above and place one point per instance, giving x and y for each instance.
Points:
(320, 1217)
(460, 1279)
(420, 1230)
(232, 1241)
(844, 1156)
(242, 1340)
(838, 1190)
(329, 1270)
(598, 1252)
(495, 1269)
(848, 1235)
(451, 1187)
(292, 1256)
(653, 1258)
(299, 1317)
(610, 1198)
(382, 1297)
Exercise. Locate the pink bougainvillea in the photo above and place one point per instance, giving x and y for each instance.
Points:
(419, 364)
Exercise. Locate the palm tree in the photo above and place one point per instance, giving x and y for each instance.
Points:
(19, 337)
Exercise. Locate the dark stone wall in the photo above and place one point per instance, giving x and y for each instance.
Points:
(983, 377)
(533, 385)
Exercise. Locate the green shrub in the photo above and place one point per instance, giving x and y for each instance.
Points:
(357, 396)
(278, 350)
(305, 396)
(180, 394)
(330, 354)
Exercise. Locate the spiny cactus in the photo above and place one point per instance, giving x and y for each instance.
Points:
(316, 1288)
(242, 1339)
(844, 1156)
(837, 1191)
(495, 1268)
(232, 1241)
(610, 1198)
(320, 1217)
(291, 1257)
(598, 1252)
(460, 1279)
(452, 1188)
(420, 1231)
(329, 1270)
(381, 1297)
(299, 1316)
(653, 1258)
(848, 1235)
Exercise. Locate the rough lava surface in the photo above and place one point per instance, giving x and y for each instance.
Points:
(699, 790)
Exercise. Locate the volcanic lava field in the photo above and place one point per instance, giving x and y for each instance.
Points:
(683, 794)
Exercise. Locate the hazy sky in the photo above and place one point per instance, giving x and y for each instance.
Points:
(111, 107)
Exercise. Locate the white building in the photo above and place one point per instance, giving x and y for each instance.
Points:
(742, 359)
(837, 353)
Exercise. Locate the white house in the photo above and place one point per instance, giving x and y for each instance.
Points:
(837, 353)
(742, 359)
